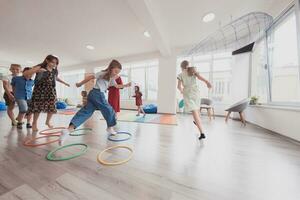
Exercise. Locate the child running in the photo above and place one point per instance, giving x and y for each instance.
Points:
(9, 95)
(96, 99)
(44, 92)
(138, 100)
(22, 88)
(187, 85)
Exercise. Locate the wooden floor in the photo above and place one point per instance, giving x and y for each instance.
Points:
(233, 163)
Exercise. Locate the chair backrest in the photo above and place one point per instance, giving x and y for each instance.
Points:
(206, 101)
(239, 106)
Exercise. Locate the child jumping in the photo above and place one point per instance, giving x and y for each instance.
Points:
(96, 99)
(9, 95)
(187, 85)
(22, 88)
(44, 92)
(138, 101)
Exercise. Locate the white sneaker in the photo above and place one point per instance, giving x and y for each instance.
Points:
(63, 136)
(111, 130)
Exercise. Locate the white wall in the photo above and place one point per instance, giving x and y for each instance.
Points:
(240, 77)
(167, 85)
(284, 121)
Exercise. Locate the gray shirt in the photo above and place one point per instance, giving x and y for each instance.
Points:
(103, 84)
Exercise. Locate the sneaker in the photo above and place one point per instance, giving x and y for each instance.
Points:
(202, 136)
(28, 125)
(110, 130)
(19, 125)
(63, 136)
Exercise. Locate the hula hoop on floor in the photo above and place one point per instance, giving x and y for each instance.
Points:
(50, 155)
(80, 129)
(103, 162)
(45, 132)
(29, 142)
(110, 136)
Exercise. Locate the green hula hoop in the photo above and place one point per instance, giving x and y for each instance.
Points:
(80, 129)
(50, 155)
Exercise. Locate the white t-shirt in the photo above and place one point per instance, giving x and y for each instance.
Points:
(103, 84)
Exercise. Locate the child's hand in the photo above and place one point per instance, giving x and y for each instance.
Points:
(128, 84)
(11, 97)
(42, 70)
(209, 85)
(78, 85)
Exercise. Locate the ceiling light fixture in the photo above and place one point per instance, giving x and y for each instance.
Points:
(147, 34)
(208, 17)
(90, 47)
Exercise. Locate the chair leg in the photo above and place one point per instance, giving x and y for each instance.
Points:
(213, 112)
(227, 116)
(209, 113)
(242, 118)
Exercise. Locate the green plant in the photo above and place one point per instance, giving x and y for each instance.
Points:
(254, 100)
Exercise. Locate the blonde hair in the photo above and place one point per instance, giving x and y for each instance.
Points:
(184, 64)
(15, 65)
(191, 71)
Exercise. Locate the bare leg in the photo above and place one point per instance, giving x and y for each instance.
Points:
(139, 111)
(10, 113)
(20, 117)
(28, 117)
(197, 120)
(142, 110)
(34, 123)
(48, 119)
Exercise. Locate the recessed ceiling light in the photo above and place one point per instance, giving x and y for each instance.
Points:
(90, 47)
(209, 17)
(147, 34)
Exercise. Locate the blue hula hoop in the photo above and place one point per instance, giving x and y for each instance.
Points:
(121, 133)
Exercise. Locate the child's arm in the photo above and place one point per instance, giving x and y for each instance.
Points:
(63, 82)
(34, 70)
(84, 81)
(121, 86)
(203, 79)
(7, 89)
(179, 86)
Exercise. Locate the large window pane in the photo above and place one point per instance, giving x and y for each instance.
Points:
(71, 93)
(203, 68)
(221, 80)
(152, 86)
(283, 60)
(138, 77)
(125, 95)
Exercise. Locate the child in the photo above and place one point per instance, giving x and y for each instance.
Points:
(191, 93)
(96, 99)
(22, 87)
(8, 95)
(44, 92)
(114, 96)
(138, 100)
(84, 98)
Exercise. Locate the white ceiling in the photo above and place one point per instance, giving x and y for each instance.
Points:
(31, 29)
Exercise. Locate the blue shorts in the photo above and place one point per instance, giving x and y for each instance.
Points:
(23, 105)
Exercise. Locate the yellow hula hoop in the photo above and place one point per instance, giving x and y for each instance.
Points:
(103, 162)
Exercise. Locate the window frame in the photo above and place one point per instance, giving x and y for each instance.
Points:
(281, 18)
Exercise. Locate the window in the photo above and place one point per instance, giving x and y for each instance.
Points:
(283, 60)
(221, 79)
(73, 94)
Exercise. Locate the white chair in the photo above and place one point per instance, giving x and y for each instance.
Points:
(207, 104)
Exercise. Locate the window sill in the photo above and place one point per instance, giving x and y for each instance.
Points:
(275, 107)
